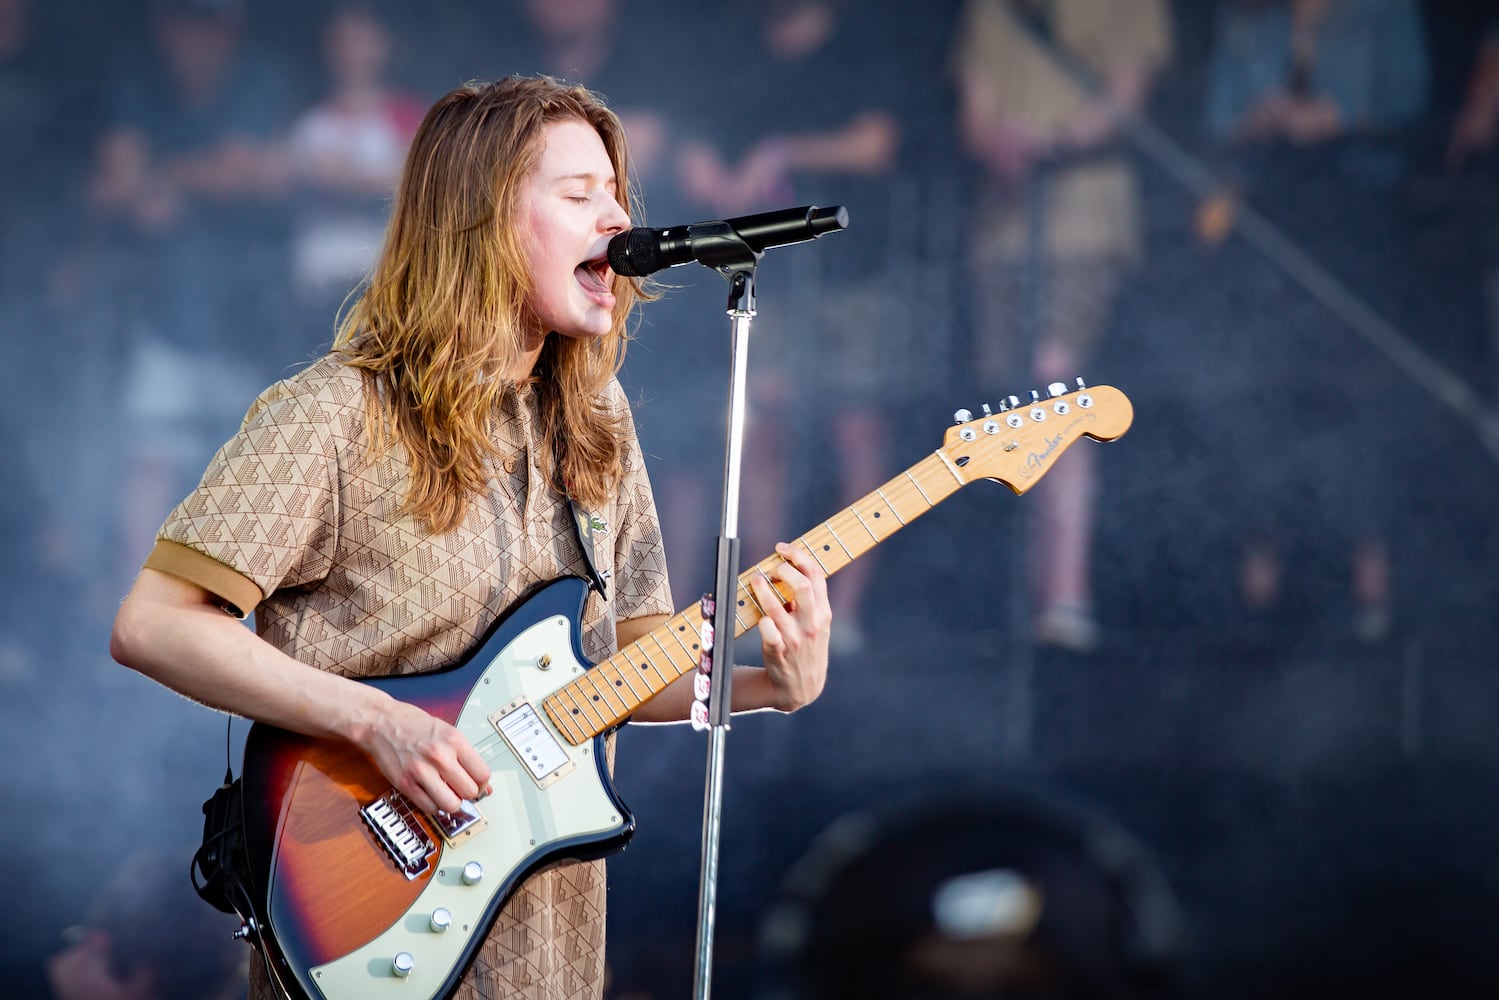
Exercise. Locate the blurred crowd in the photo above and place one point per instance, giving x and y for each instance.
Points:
(193, 188)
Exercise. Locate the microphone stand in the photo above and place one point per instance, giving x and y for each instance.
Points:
(736, 260)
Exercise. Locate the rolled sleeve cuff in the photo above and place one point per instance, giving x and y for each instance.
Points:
(238, 591)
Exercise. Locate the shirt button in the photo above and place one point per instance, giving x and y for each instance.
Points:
(509, 465)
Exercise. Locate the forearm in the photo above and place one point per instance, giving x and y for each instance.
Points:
(170, 633)
(1483, 88)
(752, 691)
(867, 145)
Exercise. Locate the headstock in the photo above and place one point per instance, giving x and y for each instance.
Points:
(1017, 444)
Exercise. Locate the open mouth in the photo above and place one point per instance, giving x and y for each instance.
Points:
(595, 276)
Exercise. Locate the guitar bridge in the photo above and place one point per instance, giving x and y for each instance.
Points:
(400, 833)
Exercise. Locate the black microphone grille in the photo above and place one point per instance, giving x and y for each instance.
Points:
(634, 253)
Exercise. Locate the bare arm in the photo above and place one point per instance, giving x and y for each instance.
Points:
(173, 632)
(793, 638)
(1478, 118)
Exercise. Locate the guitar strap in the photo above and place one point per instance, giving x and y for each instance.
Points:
(584, 526)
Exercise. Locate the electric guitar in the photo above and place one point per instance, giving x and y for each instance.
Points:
(358, 895)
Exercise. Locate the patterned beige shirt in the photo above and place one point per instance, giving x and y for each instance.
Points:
(295, 519)
(1093, 208)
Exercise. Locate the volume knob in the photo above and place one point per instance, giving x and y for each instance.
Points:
(402, 964)
(472, 873)
(441, 920)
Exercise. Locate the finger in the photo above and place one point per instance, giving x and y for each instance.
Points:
(807, 580)
(434, 789)
(772, 604)
(771, 639)
(799, 557)
(474, 765)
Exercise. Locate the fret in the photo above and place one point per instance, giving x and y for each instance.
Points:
(582, 708)
(616, 685)
(591, 701)
(873, 537)
(829, 526)
(919, 490)
(624, 675)
(807, 545)
(677, 635)
(670, 658)
(602, 682)
(646, 660)
(902, 520)
(750, 594)
(563, 720)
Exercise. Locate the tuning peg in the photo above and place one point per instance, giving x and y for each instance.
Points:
(961, 416)
(985, 407)
(1056, 389)
(1013, 401)
(1080, 383)
(1035, 395)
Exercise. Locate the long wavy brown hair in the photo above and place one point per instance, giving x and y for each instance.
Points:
(444, 315)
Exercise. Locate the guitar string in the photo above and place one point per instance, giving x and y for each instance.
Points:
(903, 489)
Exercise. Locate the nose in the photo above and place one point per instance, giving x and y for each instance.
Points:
(614, 218)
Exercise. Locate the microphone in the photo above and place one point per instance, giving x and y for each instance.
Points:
(637, 252)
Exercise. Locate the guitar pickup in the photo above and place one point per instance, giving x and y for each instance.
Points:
(532, 742)
(456, 827)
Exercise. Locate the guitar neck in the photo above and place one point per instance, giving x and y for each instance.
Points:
(607, 695)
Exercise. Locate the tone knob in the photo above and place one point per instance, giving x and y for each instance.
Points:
(961, 416)
(402, 964)
(441, 920)
(472, 873)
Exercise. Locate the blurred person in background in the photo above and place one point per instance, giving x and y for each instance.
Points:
(837, 349)
(462, 414)
(189, 185)
(47, 108)
(345, 157)
(1307, 98)
(1471, 146)
(1057, 232)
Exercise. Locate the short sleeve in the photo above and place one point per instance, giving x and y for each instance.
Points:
(267, 504)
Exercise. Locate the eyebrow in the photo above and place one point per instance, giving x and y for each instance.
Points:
(586, 176)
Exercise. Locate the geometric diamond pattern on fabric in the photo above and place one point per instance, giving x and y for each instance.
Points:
(296, 503)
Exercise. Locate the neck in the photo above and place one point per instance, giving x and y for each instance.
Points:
(525, 361)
